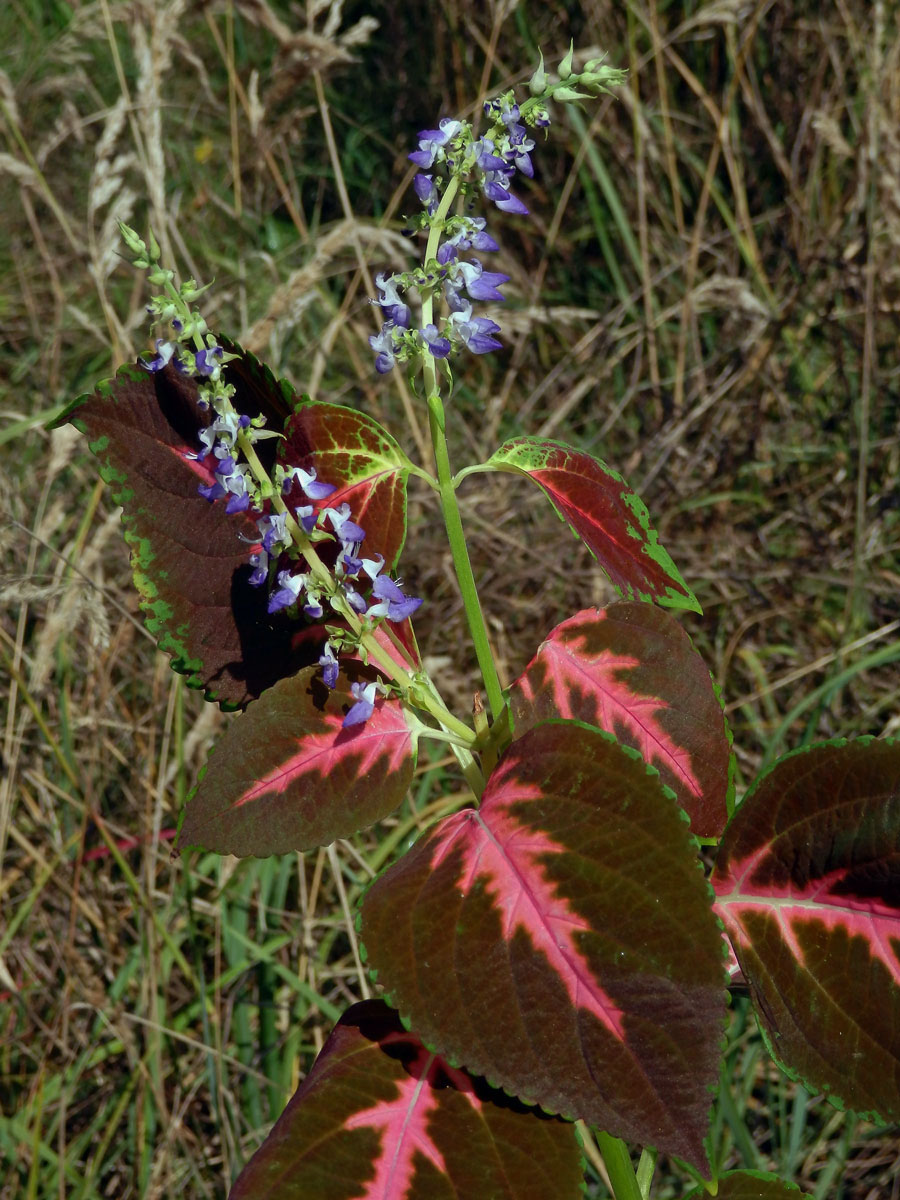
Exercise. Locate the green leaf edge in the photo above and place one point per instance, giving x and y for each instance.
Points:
(156, 618)
(156, 612)
(672, 598)
(701, 1193)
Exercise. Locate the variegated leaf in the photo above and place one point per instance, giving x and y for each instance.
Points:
(560, 941)
(287, 776)
(632, 670)
(602, 510)
(379, 1117)
(808, 885)
(364, 463)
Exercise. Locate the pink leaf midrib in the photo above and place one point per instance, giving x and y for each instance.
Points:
(574, 960)
(364, 736)
(668, 753)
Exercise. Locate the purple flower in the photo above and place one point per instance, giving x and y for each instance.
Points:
(311, 487)
(432, 142)
(480, 284)
(470, 236)
(212, 491)
(350, 565)
(427, 192)
(164, 352)
(329, 664)
(437, 345)
(452, 288)
(208, 361)
(238, 501)
(485, 158)
(290, 587)
(307, 516)
(394, 605)
(208, 437)
(220, 436)
(364, 695)
(383, 344)
(372, 566)
(522, 159)
(313, 608)
(516, 133)
(480, 239)
(273, 528)
(390, 303)
(475, 332)
(260, 564)
(496, 188)
(354, 599)
(348, 531)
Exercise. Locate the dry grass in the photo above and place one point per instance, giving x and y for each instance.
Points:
(707, 296)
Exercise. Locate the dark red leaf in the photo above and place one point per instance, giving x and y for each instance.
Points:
(602, 510)
(560, 941)
(632, 670)
(808, 885)
(190, 565)
(379, 1117)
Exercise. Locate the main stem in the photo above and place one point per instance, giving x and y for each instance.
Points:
(446, 489)
(460, 552)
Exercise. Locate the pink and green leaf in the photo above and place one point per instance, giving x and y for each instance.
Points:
(807, 882)
(751, 1185)
(287, 775)
(189, 562)
(560, 941)
(631, 669)
(602, 510)
(379, 1117)
(364, 463)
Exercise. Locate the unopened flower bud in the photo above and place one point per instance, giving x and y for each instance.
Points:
(190, 290)
(567, 93)
(132, 240)
(537, 84)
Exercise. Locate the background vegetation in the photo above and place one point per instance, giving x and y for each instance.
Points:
(706, 295)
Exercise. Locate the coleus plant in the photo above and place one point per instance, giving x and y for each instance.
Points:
(555, 952)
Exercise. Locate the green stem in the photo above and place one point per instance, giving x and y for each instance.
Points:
(461, 563)
(618, 1165)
